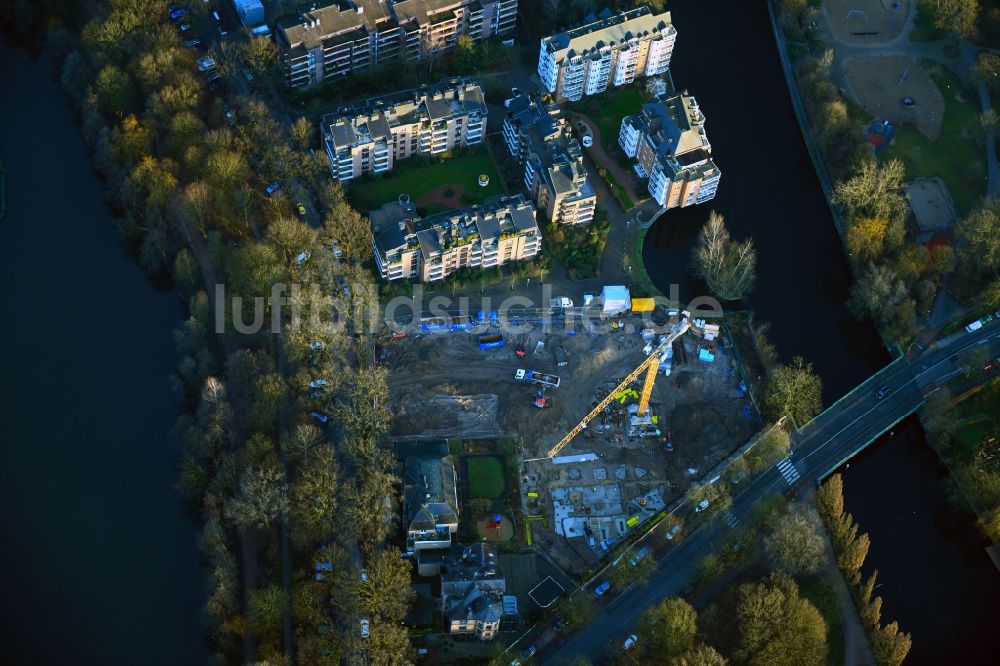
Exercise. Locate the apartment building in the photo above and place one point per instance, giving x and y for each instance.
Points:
(352, 35)
(538, 136)
(610, 49)
(667, 139)
(501, 230)
(370, 137)
(473, 594)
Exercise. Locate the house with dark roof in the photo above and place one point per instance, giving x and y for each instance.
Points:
(473, 594)
(430, 497)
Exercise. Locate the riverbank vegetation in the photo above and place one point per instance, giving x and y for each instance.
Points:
(889, 644)
(965, 431)
(290, 509)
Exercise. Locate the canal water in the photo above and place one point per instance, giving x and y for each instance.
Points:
(936, 578)
(98, 560)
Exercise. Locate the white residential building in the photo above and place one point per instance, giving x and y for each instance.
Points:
(611, 48)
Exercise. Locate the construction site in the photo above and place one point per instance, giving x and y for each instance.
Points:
(613, 417)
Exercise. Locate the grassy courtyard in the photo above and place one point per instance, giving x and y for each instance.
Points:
(958, 157)
(419, 179)
(486, 477)
(607, 111)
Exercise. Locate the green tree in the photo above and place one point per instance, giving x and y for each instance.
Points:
(794, 390)
(729, 268)
(466, 57)
(890, 645)
(625, 574)
(115, 91)
(387, 593)
(830, 498)
(350, 230)
(795, 543)
(988, 68)
(266, 608)
(314, 498)
(776, 626)
(955, 16)
(668, 629)
(579, 609)
(769, 449)
(260, 55)
(878, 293)
(701, 655)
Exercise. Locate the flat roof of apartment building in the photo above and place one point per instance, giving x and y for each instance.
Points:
(372, 119)
(609, 30)
(309, 29)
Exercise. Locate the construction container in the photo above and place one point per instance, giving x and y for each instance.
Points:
(643, 305)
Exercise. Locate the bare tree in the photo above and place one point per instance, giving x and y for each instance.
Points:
(728, 267)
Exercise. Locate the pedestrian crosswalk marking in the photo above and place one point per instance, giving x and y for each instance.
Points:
(788, 471)
(732, 520)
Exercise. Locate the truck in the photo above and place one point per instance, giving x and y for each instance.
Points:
(550, 381)
(492, 341)
(539, 348)
(560, 355)
(561, 303)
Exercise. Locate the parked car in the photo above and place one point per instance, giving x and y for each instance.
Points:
(272, 188)
(192, 43)
(561, 302)
(184, 27)
(301, 209)
(883, 392)
(219, 25)
(302, 258)
(602, 588)
(702, 505)
(672, 532)
(317, 395)
(176, 11)
(322, 418)
(317, 344)
(364, 629)
(364, 575)
(530, 652)
(630, 641)
(316, 383)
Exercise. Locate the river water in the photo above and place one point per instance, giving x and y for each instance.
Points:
(99, 562)
(937, 581)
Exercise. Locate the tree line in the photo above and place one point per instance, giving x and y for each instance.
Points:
(184, 169)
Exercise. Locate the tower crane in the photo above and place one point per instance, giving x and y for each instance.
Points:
(650, 366)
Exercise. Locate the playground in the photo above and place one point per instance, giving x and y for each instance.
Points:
(898, 89)
(867, 21)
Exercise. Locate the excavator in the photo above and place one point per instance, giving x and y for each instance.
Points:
(650, 366)
(521, 346)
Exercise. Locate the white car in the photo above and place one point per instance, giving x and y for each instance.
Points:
(317, 344)
(673, 532)
(302, 258)
(630, 641)
(702, 505)
(364, 575)
(316, 383)
(364, 629)
(561, 302)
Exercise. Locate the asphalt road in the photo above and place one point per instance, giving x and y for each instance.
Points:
(823, 445)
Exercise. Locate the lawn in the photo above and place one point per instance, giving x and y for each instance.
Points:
(958, 157)
(415, 178)
(608, 109)
(486, 477)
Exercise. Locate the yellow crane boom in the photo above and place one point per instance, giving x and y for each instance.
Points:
(650, 365)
